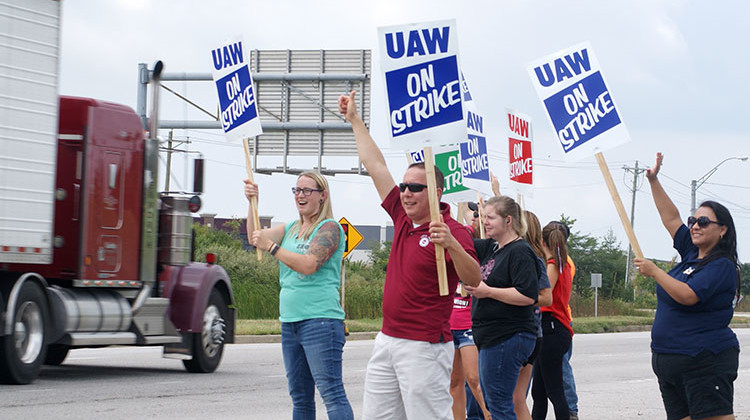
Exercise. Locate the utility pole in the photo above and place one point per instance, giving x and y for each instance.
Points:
(636, 171)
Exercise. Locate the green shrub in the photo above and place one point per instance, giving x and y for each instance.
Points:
(255, 283)
(364, 297)
(584, 307)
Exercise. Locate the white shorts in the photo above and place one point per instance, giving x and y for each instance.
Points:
(408, 379)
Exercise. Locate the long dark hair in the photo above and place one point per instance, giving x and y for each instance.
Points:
(555, 236)
(727, 245)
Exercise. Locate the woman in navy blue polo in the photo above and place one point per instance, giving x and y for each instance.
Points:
(695, 354)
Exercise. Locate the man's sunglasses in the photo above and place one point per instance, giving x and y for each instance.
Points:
(415, 188)
(702, 221)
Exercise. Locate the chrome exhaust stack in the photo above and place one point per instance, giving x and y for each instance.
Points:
(150, 217)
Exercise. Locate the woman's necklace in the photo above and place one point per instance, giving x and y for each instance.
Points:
(498, 247)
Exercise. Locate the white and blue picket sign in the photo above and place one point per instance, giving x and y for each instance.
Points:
(421, 72)
(234, 85)
(475, 164)
(578, 102)
(432, 96)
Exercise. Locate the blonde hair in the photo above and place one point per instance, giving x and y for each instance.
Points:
(506, 206)
(326, 211)
(534, 233)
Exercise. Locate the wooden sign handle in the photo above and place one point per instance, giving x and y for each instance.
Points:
(253, 200)
(618, 205)
(429, 166)
(480, 210)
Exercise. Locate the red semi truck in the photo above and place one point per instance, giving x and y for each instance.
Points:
(91, 254)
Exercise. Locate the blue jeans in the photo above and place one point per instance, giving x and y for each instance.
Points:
(473, 411)
(499, 366)
(312, 351)
(569, 382)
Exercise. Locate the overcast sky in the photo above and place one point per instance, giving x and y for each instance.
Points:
(677, 70)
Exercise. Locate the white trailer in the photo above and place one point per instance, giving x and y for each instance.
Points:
(29, 46)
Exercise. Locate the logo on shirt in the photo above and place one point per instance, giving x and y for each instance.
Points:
(688, 271)
(486, 269)
(424, 240)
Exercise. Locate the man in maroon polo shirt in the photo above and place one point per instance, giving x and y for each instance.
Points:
(408, 375)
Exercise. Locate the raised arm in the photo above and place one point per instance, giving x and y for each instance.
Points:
(495, 184)
(368, 151)
(670, 216)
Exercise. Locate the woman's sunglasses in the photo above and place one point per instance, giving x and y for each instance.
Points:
(473, 207)
(702, 221)
(415, 188)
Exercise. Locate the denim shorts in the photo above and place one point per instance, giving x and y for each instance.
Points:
(700, 386)
(462, 338)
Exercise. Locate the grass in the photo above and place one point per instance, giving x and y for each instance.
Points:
(602, 324)
(581, 325)
(273, 326)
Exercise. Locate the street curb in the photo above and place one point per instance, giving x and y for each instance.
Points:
(370, 335)
(276, 338)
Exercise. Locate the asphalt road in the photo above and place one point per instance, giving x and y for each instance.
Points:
(612, 371)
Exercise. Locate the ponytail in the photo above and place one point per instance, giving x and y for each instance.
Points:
(555, 238)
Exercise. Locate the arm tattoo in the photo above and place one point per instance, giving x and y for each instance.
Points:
(325, 243)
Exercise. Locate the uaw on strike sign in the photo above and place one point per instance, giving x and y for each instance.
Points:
(519, 151)
(475, 163)
(234, 84)
(578, 102)
(423, 89)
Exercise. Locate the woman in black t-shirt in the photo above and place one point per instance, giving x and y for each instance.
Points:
(503, 307)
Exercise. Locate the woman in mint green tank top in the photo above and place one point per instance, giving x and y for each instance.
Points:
(310, 252)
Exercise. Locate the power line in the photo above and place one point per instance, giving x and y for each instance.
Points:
(727, 185)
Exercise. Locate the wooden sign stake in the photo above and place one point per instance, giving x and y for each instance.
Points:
(429, 166)
(618, 205)
(253, 200)
(480, 210)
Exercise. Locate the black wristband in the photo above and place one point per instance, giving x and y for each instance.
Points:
(274, 249)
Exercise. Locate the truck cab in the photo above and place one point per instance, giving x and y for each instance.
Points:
(121, 270)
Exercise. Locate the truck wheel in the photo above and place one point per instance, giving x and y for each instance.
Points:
(208, 345)
(22, 352)
(56, 354)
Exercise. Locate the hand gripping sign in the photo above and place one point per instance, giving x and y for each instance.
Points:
(582, 111)
(520, 141)
(423, 92)
(239, 113)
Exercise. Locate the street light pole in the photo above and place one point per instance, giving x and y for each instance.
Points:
(695, 184)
